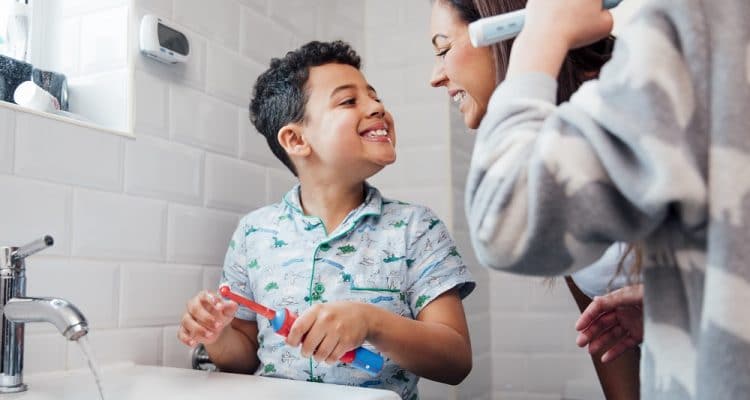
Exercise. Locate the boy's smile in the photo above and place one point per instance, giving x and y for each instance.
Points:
(376, 133)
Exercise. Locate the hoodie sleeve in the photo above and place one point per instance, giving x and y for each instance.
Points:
(550, 188)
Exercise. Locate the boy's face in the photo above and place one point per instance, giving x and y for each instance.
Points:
(349, 131)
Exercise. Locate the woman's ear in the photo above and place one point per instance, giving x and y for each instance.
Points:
(291, 139)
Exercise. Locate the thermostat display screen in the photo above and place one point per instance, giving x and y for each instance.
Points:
(172, 39)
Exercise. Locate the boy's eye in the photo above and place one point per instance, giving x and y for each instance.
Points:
(441, 53)
(349, 101)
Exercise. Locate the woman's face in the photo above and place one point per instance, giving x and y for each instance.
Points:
(467, 72)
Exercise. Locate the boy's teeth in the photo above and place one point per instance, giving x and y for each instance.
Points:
(458, 97)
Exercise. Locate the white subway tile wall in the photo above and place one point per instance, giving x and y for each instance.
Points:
(240, 192)
(142, 224)
(162, 8)
(230, 76)
(161, 169)
(199, 119)
(56, 151)
(113, 225)
(253, 145)
(279, 182)
(151, 105)
(218, 20)
(211, 276)
(257, 25)
(35, 208)
(198, 235)
(175, 354)
(7, 139)
(50, 353)
(259, 5)
(477, 386)
(167, 285)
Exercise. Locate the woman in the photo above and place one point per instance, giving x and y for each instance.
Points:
(471, 75)
(654, 152)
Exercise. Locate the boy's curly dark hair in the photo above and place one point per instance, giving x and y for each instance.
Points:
(279, 95)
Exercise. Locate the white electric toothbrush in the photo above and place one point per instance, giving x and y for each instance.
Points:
(490, 30)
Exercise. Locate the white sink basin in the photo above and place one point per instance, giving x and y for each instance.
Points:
(130, 382)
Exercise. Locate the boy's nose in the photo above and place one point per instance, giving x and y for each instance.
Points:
(376, 109)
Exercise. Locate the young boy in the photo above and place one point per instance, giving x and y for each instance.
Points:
(359, 269)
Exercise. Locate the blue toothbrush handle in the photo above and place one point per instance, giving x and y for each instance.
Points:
(360, 357)
(365, 360)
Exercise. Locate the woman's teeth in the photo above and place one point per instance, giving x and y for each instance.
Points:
(459, 96)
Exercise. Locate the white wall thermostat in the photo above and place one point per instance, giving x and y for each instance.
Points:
(162, 42)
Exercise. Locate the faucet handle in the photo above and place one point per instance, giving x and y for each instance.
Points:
(31, 248)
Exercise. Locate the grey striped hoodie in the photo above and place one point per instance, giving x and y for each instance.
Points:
(657, 152)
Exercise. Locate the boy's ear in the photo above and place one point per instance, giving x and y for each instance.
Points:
(291, 139)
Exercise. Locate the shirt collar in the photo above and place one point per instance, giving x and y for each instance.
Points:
(373, 204)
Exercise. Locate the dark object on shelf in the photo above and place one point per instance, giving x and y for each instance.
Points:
(55, 83)
(12, 73)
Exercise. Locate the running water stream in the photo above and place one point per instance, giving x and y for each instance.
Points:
(83, 342)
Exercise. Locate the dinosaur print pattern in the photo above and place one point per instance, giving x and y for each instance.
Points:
(347, 249)
(281, 259)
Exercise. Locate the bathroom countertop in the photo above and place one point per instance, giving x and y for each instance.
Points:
(130, 382)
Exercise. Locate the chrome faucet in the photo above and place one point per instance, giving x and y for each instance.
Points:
(16, 310)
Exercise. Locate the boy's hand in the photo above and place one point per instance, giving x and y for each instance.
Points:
(328, 331)
(613, 322)
(206, 317)
(574, 22)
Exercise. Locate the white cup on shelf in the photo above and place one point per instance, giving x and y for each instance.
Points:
(29, 94)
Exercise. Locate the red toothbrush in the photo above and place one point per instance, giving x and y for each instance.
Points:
(281, 322)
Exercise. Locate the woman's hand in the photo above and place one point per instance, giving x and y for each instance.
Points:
(328, 331)
(575, 23)
(551, 29)
(206, 317)
(613, 322)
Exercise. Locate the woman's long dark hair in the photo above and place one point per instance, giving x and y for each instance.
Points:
(579, 66)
